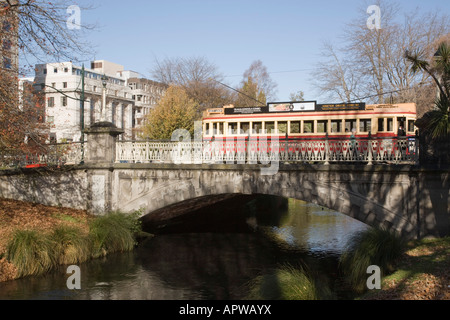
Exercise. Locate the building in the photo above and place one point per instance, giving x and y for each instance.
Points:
(62, 85)
(146, 93)
(9, 37)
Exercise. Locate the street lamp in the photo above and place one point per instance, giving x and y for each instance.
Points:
(103, 113)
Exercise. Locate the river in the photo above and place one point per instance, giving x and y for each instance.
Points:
(211, 254)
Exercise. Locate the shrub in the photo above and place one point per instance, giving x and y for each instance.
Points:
(31, 252)
(288, 283)
(72, 246)
(114, 232)
(370, 247)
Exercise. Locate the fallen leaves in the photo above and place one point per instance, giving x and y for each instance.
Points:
(16, 215)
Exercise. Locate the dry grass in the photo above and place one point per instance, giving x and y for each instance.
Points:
(17, 215)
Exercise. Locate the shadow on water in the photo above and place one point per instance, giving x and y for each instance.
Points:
(212, 253)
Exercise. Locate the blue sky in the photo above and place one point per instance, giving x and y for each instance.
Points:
(285, 35)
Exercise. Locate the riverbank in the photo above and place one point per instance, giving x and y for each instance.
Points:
(422, 273)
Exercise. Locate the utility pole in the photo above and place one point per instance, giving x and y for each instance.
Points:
(82, 115)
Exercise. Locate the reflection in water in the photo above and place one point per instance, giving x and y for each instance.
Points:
(190, 260)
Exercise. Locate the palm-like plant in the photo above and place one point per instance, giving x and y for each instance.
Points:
(436, 121)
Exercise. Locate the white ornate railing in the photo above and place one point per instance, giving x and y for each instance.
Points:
(320, 150)
(50, 155)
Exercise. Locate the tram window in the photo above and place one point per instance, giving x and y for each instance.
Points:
(381, 124)
(282, 127)
(256, 127)
(218, 128)
(390, 124)
(365, 125)
(308, 127)
(401, 121)
(322, 126)
(232, 128)
(245, 127)
(411, 124)
(295, 126)
(350, 125)
(208, 126)
(336, 126)
(270, 126)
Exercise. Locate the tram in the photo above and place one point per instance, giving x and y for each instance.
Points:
(295, 120)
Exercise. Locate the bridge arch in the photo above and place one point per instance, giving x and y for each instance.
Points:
(371, 198)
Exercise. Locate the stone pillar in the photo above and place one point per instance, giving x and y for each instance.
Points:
(101, 147)
(101, 154)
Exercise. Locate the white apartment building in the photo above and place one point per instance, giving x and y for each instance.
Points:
(62, 84)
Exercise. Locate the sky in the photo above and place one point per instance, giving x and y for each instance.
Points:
(286, 35)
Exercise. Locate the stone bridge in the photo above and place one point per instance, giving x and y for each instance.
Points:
(409, 199)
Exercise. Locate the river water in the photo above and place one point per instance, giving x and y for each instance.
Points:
(238, 240)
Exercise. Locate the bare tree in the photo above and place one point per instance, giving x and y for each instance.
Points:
(197, 76)
(370, 65)
(34, 30)
(46, 30)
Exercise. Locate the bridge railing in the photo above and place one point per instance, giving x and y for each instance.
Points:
(254, 150)
(49, 155)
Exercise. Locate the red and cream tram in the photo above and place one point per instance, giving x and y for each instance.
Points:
(310, 120)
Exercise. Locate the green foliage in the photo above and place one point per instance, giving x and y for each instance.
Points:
(34, 252)
(71, 245)
(370, 247)
(436, 121)
(288, 283)
(31, 252)
(174, 111)
(114, 232)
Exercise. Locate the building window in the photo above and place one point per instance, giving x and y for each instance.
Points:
(55, 70)
(7, 44)
(64, 101)
(66, 70)
(7, 64)
(64, 85)
(51, 101)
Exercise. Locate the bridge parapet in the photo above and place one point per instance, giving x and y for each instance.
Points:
(252, 151)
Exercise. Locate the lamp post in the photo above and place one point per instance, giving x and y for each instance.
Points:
(104, 113)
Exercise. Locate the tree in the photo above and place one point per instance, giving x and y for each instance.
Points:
(297, 96)
(370, 65)
(33, 30)
(45, 30)
(256, 87)
(200, 79)
(436, 121)
(176, 110)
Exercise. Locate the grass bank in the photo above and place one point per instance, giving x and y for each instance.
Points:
(35, 238)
